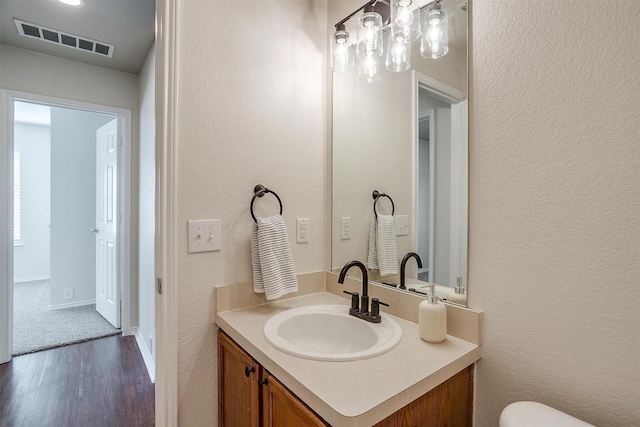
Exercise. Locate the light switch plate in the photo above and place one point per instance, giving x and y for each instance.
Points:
(204, 235)
(402, 225)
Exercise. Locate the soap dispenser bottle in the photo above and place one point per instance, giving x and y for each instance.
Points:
(459, 295)
(432, 318)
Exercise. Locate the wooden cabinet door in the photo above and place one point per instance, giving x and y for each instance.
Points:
(281, 408)
(238, 390)
(249, 396)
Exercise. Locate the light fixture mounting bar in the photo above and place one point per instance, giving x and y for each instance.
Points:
(384, 5)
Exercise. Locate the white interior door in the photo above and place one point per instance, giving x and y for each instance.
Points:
(107, 295)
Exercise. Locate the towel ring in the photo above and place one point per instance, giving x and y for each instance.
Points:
(376, 195)
(259, 191)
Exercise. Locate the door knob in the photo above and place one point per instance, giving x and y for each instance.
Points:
(94, 230)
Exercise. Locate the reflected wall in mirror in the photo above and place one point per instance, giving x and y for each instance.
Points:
(406, 136)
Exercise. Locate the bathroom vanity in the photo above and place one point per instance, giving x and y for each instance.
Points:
(414, 383)
(249, 395)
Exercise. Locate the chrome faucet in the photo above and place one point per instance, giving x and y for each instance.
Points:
(403, 266)
(360, 308)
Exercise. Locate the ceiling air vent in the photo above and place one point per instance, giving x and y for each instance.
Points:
(48, 35)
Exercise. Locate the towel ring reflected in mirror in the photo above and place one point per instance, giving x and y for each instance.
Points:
(376, 195)
(259, 191)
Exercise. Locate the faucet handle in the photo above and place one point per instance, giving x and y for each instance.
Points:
(355, 301)
(375, 306)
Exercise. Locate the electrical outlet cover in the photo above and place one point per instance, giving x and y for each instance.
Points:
(402, 225)
(302, 230)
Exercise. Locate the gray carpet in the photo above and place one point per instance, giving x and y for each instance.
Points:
(36, 328)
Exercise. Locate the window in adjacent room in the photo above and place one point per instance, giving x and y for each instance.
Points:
(16, 197)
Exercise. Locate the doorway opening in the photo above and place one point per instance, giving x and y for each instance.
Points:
(442, 184)
(68, 275)
(57, 262)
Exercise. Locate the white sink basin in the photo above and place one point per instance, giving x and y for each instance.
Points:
(328, 332)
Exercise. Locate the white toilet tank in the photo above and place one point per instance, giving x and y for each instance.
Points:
(533, 414)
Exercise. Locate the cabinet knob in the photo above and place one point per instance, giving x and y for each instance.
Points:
(248, 371)
(263, 382)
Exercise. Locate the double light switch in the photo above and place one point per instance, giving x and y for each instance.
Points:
(204, 235)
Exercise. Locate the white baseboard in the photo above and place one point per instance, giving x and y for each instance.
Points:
(30, 279)
(146, 354)
(127, 332)
(71, 304)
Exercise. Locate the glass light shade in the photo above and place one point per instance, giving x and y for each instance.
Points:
(369, 33)
(435, 33)
(369, 69)
(405, 20)
(341, 51)
(73, 2)
(398, 56)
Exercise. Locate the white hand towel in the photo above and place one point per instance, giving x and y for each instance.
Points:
(273, 271)
(372, 259)
(386, 245)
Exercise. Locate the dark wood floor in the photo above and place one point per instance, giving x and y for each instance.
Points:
(103, 382)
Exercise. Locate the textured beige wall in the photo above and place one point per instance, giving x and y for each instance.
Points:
(554, 204)
(251, 89)
(146, 203)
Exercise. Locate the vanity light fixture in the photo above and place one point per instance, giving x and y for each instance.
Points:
(73, 2)
(398, 55)
(407, 21)
(341, 50)
(369, 33)
(369, 45)
(435, 32)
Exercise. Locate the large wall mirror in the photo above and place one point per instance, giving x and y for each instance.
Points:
(405, 136)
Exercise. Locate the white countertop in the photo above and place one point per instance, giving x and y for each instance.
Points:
(353, 393)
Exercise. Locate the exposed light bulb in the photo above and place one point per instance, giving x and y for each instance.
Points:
(369, 69)
(341, 50)
(398, 50)
(398, 56)
(435, 33)
(369, 33)
(405, 20)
